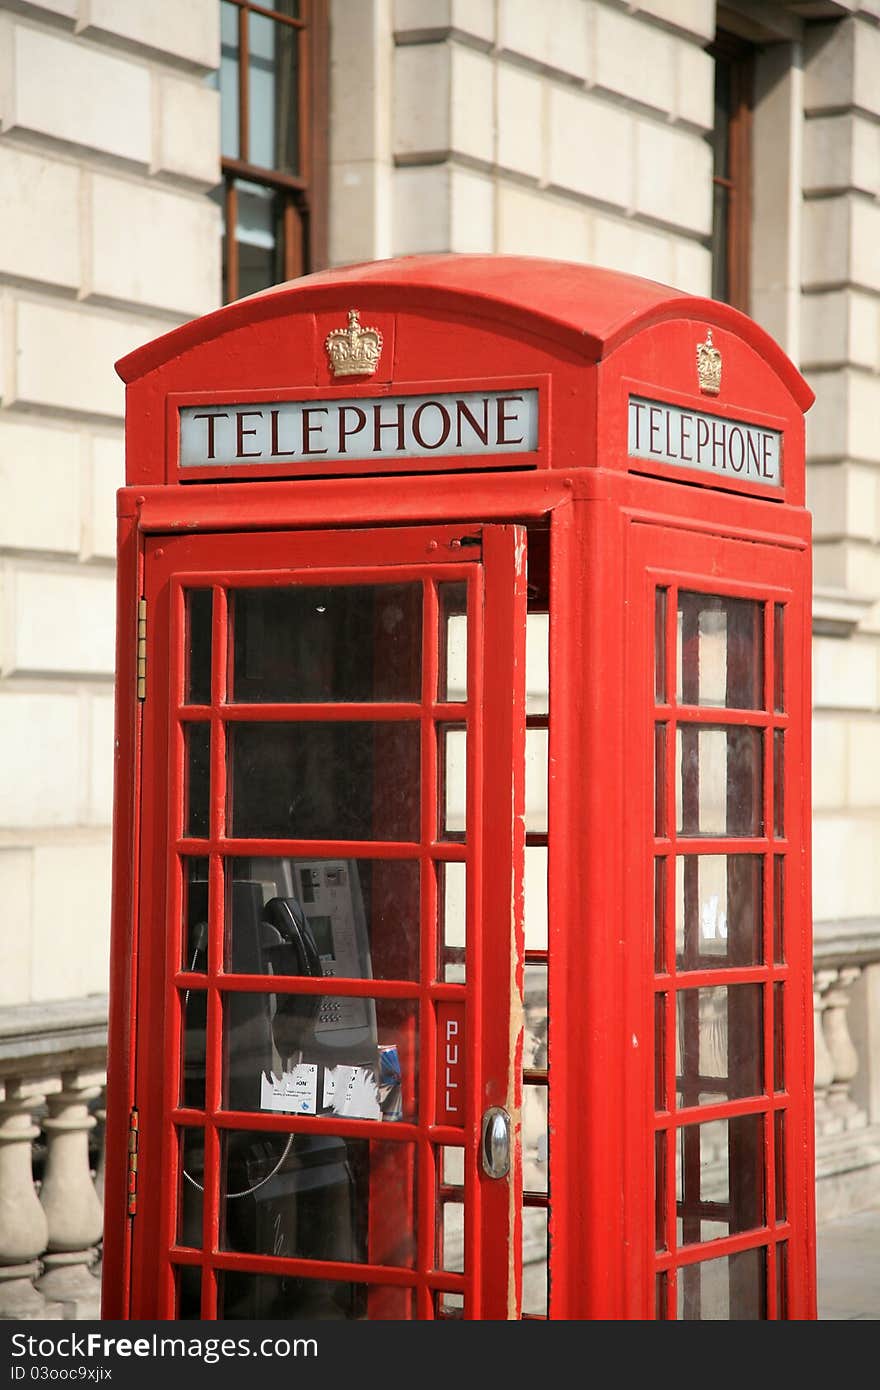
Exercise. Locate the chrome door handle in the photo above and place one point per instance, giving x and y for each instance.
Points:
(495, 1147)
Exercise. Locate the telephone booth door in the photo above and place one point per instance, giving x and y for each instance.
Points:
(333, 783)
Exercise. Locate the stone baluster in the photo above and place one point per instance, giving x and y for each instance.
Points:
(23, 1225)
(101, 1117)
(844, 1057)
(72, 1207)
(823, 1067)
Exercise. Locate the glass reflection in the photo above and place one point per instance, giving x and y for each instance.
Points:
(346, 918)
(718, 780)
(719, 1178)
(318, 643)
(260, 1296)
(719, 1043)
(314, 1054)
(720, 651)
(718, 910)
(307, 1196)
(354, 780)
(726, 1290)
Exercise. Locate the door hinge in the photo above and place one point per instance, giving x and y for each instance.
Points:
(142, 649)
(132, 1162)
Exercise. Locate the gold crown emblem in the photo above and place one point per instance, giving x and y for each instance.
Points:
(709, 366)
(354, 351)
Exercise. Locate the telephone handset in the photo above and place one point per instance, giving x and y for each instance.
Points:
(325, 925)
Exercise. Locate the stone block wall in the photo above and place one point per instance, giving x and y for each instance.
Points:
(109, 143)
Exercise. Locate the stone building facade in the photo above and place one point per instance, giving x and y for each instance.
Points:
(578, 129)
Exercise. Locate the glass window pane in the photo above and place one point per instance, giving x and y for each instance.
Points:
(191, 1159)
(535, 1139)
(273, 95)
(349, 918)
(660, 916)
(198, 779)
(535, 1004)
(534, 1262)
(732, 1289)
(311, 643)
(259, 237)
(660, 779)
(194, 1015)
(450, 1238)
(298, 1054)
(718, 780)
(778, 1037)
(537, 663)
(719, 1043)
(660, 645)
(720, 1178)
(452, 604)
(660, 1052)
(307, 1196)
(778, 783)
(452, 910)
(325, 781)
(779, 1158)
(720, 651)
(188, 1293)
(778, 657)
(779, 909)
(660, 1146)
(260, 1296)
(718, 908)
(535, 894)
(229, 112)
(198, 646)
(537, 741)
(452, 772)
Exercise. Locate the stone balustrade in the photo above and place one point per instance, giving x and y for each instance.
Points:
(52, 1078)
(52, 1075)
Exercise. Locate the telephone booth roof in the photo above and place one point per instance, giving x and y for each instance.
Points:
(588, 309)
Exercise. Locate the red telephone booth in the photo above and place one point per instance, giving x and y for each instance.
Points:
(463, 659)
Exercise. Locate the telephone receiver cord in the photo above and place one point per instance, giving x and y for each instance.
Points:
(246, 1192)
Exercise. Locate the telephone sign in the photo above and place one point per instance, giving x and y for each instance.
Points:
(461, 952)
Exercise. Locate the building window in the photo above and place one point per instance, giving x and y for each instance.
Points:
(732, 174)
(273, 102)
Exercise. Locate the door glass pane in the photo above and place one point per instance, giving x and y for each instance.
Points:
(660, 646)
(778, 783)
(718, 906)
(198, 646)
(720, 1178)
(195, 914)
(314, 1197)
(194, 1014)
(452, 602)
(191, 1151)
(719, 1043)
(349, 918)
(325, 781)
(298, 1054)
(660, 916)
(188, 1293)
(452, 772)
(452, 909)
(718, 780)
(720, 651)
(732, 1289)
(305, 643)
(256, 1297)
(778, 657)
(197, 738)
